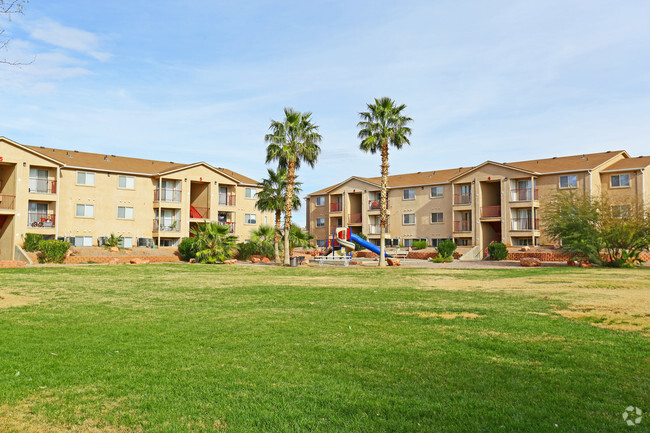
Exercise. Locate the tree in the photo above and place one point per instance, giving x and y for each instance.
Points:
(298, 238)
(271, 198)
(589, 227)
(291, 142)
(214, 243)
(9, 8)
(382, 125)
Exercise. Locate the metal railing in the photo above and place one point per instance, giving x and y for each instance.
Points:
(42, 186)
(491, 211)
(166, 225)
(524, 194)
(525, 224)
(7, 202)
(226, 199)
(229, 224)
(37, 219)
(375, 229)
(354, 218)
(463, 226)
(463, 198)
(168, 195)
(337, 206)
(199, 212)
(376, 204)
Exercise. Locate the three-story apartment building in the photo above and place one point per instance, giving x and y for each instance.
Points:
(476, 205)
(83, 197)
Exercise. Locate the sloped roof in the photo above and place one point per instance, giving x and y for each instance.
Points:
(630, 164)
(587, 161)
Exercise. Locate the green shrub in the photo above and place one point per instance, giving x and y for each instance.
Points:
(53, 251)
(187, 249)
(32, 240)
(113, 241)
(419, 245)
(440, 259)
(497, 251)
(446, 248)
(358, 247)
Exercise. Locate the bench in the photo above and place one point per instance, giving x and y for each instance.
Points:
(398, 253)
(333, 259)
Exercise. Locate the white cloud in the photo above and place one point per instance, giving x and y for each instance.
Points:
(70, 38)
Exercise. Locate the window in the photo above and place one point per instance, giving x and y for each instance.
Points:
(409, 194)
(409, 218)
(126, 182)
(85, 178)
(522, 242)
(320, 201)
(437, 217)
(436, 242)
(619, 180)
(463, 242)
(125, 213)
(320, 243)
(320, 222)
(251, 193)
(622, 211)
(250, 218)
(83, 241)
(570, 181)
(436, 191)
(127, 243)
(85, 210)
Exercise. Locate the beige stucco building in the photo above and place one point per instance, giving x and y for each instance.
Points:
(476, 205)
(84, 197)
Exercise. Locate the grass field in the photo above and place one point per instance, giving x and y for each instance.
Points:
(180, 348)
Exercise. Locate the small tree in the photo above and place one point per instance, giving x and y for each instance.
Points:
(298, 238)
(446, 248)
(113, 240)
(214, 242)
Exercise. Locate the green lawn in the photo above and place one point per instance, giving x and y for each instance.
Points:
(180, 348)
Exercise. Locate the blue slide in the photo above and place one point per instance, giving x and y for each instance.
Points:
(364, 243)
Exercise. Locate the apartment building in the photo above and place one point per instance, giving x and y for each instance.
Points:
(476, 205)
(83, 197)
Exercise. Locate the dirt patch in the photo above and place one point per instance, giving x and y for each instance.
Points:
(135, 251)
(449, 315)
(8, 300)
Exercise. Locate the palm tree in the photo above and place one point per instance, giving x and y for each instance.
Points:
(292, 141)
(381, 125)
(298, 238)
(214, 243)
(271, 199)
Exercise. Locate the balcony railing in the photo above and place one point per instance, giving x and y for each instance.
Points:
(525, 194)
(525, 224)
(229, 224)
(36, 219)
(491, 211)
(463, 226)
(226, 199)
(42, 186)
(375, 229)
(354, 218)
(7, 201)
(376, 204)
(199, 212)
(463, 198)
(168, 195)
(336, 206)
(166, 225)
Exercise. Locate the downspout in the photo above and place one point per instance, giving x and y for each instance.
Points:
(591, 185)
(58, 191)
(642, 190)
(532, 207)
(159, 210)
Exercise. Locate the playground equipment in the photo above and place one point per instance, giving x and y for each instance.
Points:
(343, 241)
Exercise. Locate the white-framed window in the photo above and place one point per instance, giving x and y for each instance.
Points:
(124, 213)
(619, 180)
(250, 218)
(570, 181)
(126, 242)
(320, 201)
(409, 194)
(437, 217)
(126, 182)
(85, 210)
(522, 242)
(409, 218)
(85, 178)
(621, 211)
(320, 243)
(436, 191)
(251, 193)
(83, 241)
(320, 222)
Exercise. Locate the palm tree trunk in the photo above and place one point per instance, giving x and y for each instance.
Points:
(383, 202)
(288, 205)
(276, 237)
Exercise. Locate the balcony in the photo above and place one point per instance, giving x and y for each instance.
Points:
(229, 224)
(42, 186)
(375, 229)
(166, 225)
(336, 206)
(7, 202)
(354, 218)
(376, 204)
(491, 211)
(198, 212)
(463, 226)
(44, 220)
(525, 194)
(525, 224)
(167, 195)
(463, 198)
(226, 199)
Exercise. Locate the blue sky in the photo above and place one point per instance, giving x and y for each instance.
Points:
(191, 81)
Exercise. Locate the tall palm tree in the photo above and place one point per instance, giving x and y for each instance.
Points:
(291, 142)
(271, 199)
(381, 125)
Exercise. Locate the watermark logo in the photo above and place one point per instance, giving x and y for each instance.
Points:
(632, 415)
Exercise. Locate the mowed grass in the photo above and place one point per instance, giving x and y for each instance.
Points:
(191, 348)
